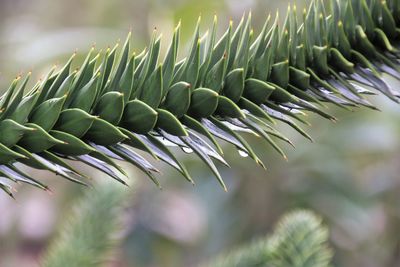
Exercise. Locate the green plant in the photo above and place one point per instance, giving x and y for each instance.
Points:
(119, 100)
(88, 237)
(299, 240)
(89, 233)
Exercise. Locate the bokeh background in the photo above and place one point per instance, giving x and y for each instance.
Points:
(350, 175)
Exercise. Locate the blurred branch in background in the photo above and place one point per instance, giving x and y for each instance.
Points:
(88, 235)
(299, 240)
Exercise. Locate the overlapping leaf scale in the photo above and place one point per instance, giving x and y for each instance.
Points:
(119, 102)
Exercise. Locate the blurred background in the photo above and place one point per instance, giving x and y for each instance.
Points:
(350, 175)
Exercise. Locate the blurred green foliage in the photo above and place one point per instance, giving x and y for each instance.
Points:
(90, 232)
(298, 240)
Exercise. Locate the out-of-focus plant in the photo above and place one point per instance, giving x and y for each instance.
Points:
(88, 237)
(299, 240)
(90, 232)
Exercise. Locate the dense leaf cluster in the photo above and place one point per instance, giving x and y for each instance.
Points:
(90, 232)
(119, 102)
(299, 240)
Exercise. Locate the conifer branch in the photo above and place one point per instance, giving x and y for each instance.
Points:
(240, 82)
(299, 240)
